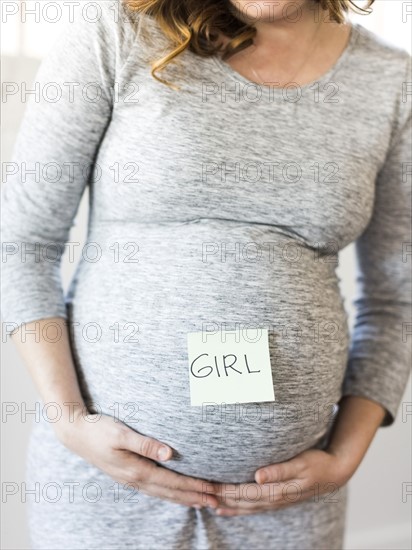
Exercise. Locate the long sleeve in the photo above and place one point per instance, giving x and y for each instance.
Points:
(62, 128)
(380, 352)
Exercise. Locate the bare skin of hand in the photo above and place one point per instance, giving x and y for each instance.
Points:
(125, 455)
(130, 458)
(312, 473)
(308, 475)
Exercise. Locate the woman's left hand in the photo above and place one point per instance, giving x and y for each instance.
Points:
(308, 475)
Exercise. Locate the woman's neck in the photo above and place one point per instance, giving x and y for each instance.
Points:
(283, 35)
(299, 51)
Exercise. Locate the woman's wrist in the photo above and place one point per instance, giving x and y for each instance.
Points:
(355, 426)
(347, 461)
(72, 411)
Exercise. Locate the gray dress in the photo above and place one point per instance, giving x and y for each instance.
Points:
(221, 204)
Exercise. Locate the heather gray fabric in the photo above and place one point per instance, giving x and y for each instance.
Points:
(223, 204)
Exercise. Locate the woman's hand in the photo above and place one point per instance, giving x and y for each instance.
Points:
(309, 475)
(314, 472)
(120, 452)
(128, 457)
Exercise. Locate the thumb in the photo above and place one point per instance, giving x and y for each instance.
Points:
(146, 446)
(282, 471)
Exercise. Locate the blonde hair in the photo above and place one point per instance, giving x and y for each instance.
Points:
(196, 25)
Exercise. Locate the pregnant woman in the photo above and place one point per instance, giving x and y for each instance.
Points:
(230, 150)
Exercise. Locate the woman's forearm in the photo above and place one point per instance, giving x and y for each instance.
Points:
(49, 360)
(355, 426)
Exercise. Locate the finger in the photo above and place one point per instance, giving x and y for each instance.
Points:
(143, 445)
(137, 472)
(236, 494)
(164, 477)
(240, 512)
(257, 510)
(268, 494)
(187, 498)
(281, 471)
(245, 491)
(280, 501)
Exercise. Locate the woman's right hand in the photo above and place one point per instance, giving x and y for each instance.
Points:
(125, 455)
(129, 458)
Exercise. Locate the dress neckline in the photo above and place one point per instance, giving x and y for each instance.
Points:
(226, 69)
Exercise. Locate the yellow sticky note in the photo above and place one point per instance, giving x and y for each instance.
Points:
(230, 367)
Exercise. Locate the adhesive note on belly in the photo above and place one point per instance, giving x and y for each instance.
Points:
(230, 367)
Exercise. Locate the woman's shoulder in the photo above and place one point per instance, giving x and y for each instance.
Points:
(128, 29)
(380, 53)
(383, 71)
(112, 29)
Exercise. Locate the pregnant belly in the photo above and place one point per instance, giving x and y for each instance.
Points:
(130, 321)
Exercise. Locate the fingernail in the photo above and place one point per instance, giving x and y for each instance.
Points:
(262, 476)
(163, 453)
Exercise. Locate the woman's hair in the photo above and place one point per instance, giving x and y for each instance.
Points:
(196, 25)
